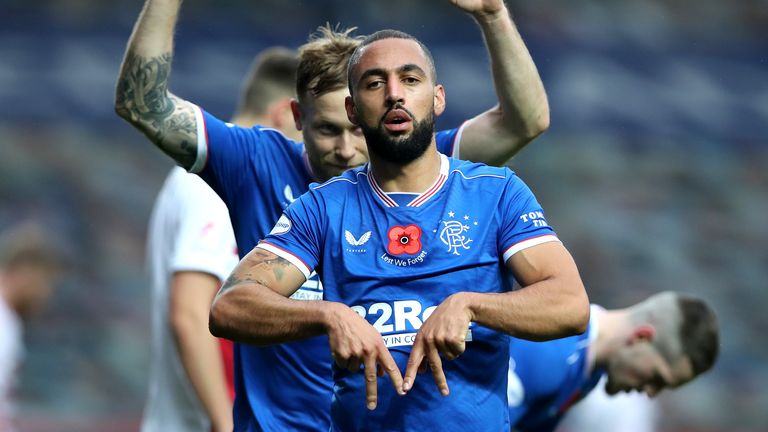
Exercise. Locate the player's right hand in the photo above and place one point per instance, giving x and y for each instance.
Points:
(354, 341)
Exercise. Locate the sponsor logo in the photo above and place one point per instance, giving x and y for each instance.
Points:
(356, 243)
(399, 321)
(282, 226)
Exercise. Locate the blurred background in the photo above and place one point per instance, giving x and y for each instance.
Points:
(654, 171)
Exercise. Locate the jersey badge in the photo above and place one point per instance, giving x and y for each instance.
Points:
(453, 233)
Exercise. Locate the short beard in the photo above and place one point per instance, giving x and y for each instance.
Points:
(402, 150)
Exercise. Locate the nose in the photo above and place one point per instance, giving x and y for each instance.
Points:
(394, 92)
(345, 147)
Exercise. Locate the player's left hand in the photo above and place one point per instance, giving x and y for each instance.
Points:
(444, 332)
(481, 7)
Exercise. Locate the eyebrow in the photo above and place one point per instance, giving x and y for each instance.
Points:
(409, 67)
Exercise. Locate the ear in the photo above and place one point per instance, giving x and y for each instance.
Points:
(439, 99)
(296, 110)
(642, 333)
(349, 105)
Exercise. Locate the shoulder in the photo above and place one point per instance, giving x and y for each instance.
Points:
(217, 129)
(347, 181)
(268, 135)
(478, 172)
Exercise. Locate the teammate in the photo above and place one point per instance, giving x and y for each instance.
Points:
(191, 249)
(259, 172)
(663, 342)
(398, 243)
(27, 272)
(600, 412)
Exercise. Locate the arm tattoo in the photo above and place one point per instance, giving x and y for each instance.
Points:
(260, 258)
(142, 98)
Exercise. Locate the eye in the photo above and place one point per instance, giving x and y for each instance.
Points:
(327, 130)
(372, 85)
(411, 80)
(356, 131)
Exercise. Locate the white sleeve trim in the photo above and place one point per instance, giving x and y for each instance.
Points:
(202, 142)
(291, 258)
(525, 244)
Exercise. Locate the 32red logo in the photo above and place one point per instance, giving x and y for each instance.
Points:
(404, 240)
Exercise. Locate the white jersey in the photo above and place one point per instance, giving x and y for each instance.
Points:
(625, 412)
(11, 351)
(189, 231)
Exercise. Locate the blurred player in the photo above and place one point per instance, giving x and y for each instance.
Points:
(419, 230)
(601, 412)
(663, 342)
(258, 172)
(27, 272)
(191, 249)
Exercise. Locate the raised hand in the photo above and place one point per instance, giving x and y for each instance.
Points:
(354, 341)
(484, 7)
(443, 333)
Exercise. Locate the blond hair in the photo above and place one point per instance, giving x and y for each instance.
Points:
(323, 61)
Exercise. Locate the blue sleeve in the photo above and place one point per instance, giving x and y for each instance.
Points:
(522, 219)
(298, 234)
(230, 156)
(448, 141)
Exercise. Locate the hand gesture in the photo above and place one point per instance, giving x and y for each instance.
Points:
(444, 332)
(354, 341)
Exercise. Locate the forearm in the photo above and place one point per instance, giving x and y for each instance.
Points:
(523, 111)
(254, 314)
(549, 309)
(201, 357)
(142, 96)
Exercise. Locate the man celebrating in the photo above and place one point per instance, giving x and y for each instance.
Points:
(258, 172)
(397, 243)
(663, 342)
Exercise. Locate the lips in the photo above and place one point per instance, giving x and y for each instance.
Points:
(397, 120)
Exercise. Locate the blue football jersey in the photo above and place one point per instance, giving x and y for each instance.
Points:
(547, 378)
(394, 263)
(258, 173)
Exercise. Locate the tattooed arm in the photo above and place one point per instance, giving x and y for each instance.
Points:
(142, 96)
(253, 305)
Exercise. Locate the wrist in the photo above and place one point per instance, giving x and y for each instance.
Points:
(492, 17)
(330, 314)
(464, 301)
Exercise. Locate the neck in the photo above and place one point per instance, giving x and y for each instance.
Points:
(416, 176)
(612, 325)
(250, 120)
